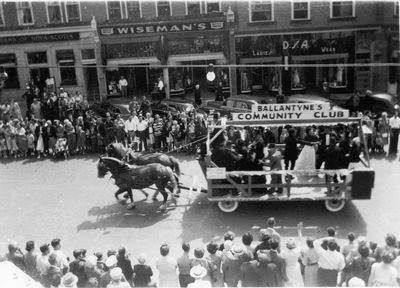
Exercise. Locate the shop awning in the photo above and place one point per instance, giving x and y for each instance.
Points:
(196, 57)
(113, 64)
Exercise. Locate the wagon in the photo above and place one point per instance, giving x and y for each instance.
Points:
(229, 188)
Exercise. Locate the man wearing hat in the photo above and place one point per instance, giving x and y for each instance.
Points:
(105, 279)
(274, 161)
(69, 280)
(116, 279)
(231, 265)
(198, 272)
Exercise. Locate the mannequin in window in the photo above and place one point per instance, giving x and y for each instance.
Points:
(339, 76)
(245, 82)
(296, 78)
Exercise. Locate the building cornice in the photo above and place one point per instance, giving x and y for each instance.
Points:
(45, 30)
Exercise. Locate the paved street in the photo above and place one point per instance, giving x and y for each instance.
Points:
(43, 199)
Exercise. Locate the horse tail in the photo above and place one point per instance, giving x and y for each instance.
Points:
(176, 166)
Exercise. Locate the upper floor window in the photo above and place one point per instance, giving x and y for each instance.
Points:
(261, 10)
(2, 23)
(341, 9)
(114, 10)
(163, 8)
(24, 12)
(37, 57)
(300, 10)
(213, 6)
(193, 7)
(73, 10)
(396, 8)
(133, 10)
(54, 14)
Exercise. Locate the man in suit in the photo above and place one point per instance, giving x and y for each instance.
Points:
(274, 161)
(333, 158)
(274, 263)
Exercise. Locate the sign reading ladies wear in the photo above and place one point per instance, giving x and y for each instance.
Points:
(162, 28)
(296, 111)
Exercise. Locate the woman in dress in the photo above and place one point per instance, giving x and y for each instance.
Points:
(309, 260)
(215, 260)
(384, 128)
(292, 257)
(306, 160)
(13, 140)
(39, 135)
(167, 267)
(22, 140)
(71, 137)
(51, 132)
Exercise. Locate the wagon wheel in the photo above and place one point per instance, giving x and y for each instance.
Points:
(335, 205)
(228, 206)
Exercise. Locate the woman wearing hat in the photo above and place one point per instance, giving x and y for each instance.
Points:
(116, 279)
(198, 272)
(293, 272)
(69, 280)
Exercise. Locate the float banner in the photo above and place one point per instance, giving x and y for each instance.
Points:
(296, 111)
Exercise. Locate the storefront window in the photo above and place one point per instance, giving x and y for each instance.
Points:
(129, 50)
(341, 9)
(9, 62)
(193, 7)
(37, 57)
(196, 46)
(24, 12)
(300, 10)
(396, 8)
(261, 11)
(88, 54)
(163, 8)
(66, 61)
(213, 6)
(73, 11)
(54, 12)
(133, 10)
(114, 10)
(1, 15)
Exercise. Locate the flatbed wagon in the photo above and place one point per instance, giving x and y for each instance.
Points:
(229, 188)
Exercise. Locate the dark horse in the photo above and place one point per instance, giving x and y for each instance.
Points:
(118, 151)
(128, 177)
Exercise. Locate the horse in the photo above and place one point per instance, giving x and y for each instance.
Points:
(128, 177)
(117, 150)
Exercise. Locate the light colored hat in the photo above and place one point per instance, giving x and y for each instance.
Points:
(111, 261)
(116, 273)
(142, 258)
(356, 282)
(237, 250)
(69, 280)
(198, 272)
(91, 262)
(291, 243)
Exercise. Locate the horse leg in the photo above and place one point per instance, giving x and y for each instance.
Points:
(119, 191)
(144, 193)
(162, 188)
(130, 194)
(155, 195)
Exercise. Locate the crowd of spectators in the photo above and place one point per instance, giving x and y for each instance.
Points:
(65, 122)
(234, 262)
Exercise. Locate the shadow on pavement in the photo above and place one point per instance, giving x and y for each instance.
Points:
(251, 216)
(117, 215)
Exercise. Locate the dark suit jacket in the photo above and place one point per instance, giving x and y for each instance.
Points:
(275, 265)
(333, 157)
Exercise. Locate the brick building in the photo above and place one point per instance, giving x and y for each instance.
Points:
(86, 46)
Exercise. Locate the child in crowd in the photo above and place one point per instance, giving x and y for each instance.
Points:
(31, 143)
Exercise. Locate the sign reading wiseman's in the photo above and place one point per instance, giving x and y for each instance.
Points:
(291, 112)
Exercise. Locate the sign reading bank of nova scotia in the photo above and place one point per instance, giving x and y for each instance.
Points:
(39, 38)
(289, 112)
(162, 28)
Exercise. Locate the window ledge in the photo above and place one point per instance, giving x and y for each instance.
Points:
(294, 21)
(344, 18)
(254, 23)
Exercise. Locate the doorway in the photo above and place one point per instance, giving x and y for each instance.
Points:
(38, 76)
(92, 83)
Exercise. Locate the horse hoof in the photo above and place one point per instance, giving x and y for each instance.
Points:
(131, 206)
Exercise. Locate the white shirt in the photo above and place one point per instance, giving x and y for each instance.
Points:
(131, 125)
(141, 126)
(382, 275)
(42, 264)
(394, 122)
(123, 82)
(330, 260)
(61, 261)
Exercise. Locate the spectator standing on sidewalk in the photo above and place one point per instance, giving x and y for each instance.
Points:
(123, 87)
(184, 265)
(394, 123)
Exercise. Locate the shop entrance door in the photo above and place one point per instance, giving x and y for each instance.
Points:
(39, 76)
(92, 83)
(310, 76)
